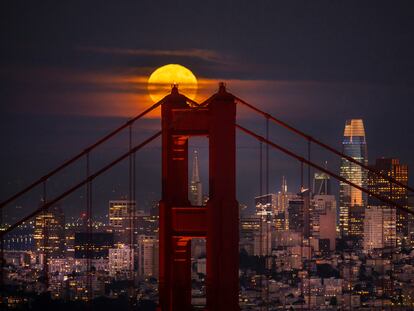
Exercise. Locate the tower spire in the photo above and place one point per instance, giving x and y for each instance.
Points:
(196, 175)
(196, 191)
(284, 184)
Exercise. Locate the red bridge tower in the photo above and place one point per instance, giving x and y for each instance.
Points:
(180, 221)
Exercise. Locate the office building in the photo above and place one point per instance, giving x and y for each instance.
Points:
(352, 200)
(379, 185)
(379, 228)
(121, 220)
(298, 213)
(323, 219)
(280, 212)
(49, 232)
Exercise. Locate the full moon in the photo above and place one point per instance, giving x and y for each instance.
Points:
(162, 79)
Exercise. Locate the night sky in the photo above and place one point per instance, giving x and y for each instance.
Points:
(70, 72)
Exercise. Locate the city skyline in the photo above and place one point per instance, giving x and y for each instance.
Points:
(332, 87)
(224, 156)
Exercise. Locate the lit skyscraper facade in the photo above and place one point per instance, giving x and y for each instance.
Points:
(196, 190)
(265, 205)
(352, 200)
(49, 232)
(376, 184)
(121, 220)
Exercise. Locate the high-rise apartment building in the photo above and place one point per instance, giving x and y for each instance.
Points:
(352, 201)
(121, 261)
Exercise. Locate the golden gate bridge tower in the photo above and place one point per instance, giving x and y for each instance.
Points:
(180, 221)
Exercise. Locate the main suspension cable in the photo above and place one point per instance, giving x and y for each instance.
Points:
(81, 154)
(80, 184)
(321, 144)
(324, 170)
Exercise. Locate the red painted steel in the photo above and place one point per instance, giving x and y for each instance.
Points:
(217, 222)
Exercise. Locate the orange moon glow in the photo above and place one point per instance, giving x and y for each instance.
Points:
(161, 80)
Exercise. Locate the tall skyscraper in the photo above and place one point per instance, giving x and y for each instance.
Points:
(265, 205)
(393, 168)
(281, 208)
(196, 190)
(49, 232)
(352, 200)
(121, 214)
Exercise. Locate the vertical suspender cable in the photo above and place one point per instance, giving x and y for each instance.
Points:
(2, 263)
(302, 236)
(45, 239)
(131, 203)
(308, 231)
(134, 215)
(268, 215)
(394, 246)
(260, 253)
(261, 168)
(89, 232)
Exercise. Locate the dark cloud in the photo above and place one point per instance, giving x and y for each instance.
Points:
(206, 55)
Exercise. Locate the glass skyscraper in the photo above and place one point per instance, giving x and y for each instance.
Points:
(351, 200)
